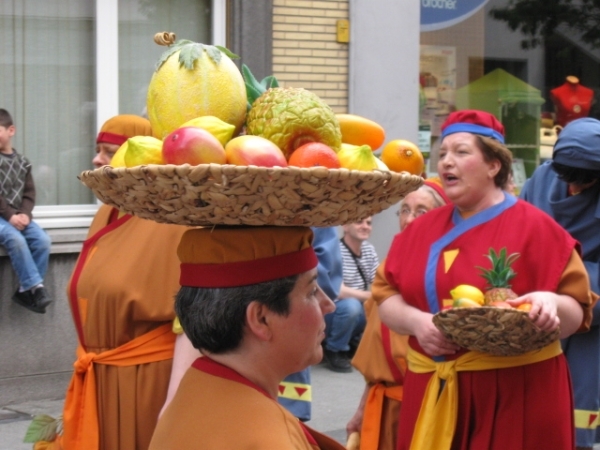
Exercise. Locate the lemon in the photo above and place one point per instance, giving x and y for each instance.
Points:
(468, 291)
(143, 150)
(118, 159)
(215, 126)
(194, 80)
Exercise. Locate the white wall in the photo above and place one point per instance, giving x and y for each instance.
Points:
(383, 80)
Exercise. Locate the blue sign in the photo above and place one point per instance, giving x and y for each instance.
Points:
(438, 14)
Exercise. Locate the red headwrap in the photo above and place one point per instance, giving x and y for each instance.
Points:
(118, 129)
(436, 184)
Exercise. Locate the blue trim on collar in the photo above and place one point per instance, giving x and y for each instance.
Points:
(472, 128)
(461, 226)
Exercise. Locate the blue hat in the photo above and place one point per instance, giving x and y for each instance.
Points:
(578, 144)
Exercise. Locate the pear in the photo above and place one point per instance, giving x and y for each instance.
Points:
(357, 157)
(118, 159)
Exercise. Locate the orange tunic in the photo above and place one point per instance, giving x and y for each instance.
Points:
(380, 358)
(122, 287)
(217, 408)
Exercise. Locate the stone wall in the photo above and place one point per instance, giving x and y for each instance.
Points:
(305, 50)
(37, 351)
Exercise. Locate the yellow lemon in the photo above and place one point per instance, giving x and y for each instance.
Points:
(143, 150)
(118, 159)
(468, 291)
(223, 131)
(194, 80)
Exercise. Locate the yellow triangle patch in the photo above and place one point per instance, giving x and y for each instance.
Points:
(449, 258)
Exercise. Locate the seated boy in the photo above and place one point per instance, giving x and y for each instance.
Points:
(27, 245)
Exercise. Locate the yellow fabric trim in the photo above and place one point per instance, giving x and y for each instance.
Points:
(586, 419)
(290, 391)
(436, 423)
(449, 257)
(176, 328)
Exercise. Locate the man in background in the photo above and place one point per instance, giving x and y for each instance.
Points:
(346, 324)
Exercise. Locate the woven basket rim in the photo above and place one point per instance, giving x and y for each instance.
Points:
(490, 321)
(314, 189)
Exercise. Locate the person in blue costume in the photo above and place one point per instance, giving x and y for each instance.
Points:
(568, 189)
(295, 393)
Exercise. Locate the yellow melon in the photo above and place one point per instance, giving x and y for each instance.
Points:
(193, 80)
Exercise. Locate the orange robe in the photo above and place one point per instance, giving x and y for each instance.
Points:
(122, 287)
(380, 358)
(217, 408)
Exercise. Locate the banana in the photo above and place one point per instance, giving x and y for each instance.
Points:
(468, 291)
(465, 303)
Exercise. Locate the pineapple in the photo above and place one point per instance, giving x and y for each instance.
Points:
(289, 117)
(499, 276)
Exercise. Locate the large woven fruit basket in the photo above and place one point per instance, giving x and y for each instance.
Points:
(213, 194)
(497, 331)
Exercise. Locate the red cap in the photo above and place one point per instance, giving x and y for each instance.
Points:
(436, 184)
(474, 121)
(222, 257)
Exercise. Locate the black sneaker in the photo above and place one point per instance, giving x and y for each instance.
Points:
(26, 300)
(350, 353)
(337, 362)
(41, 298)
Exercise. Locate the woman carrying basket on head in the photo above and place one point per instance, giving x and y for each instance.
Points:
(121, 295)
(459, 399)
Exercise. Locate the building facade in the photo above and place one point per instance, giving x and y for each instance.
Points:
(68, 65)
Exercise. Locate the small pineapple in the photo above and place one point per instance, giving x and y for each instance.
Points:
(499, 276)
(289, 117)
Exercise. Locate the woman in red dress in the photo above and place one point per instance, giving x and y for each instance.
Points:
(461, 400)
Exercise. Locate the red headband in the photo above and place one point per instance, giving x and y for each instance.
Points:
(439, 189)
(110, 138)
(244, 273)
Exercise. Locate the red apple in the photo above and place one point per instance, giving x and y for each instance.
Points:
(254, 151)
(192, 145)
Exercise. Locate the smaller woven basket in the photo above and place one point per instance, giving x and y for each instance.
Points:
(214, 194)
(497, 331)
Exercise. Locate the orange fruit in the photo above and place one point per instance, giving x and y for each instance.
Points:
(314, 154)
(500, 304)
(524, 307)
(402, 155)
(358, 130)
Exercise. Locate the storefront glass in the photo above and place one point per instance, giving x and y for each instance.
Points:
(139, 20)
(48, 75)
(471, 60)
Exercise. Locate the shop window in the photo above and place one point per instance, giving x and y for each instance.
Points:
(516, 67)
(49, 76)
(47, 84)
(139, 20)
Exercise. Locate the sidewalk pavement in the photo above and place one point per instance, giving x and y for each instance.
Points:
(335, 398)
